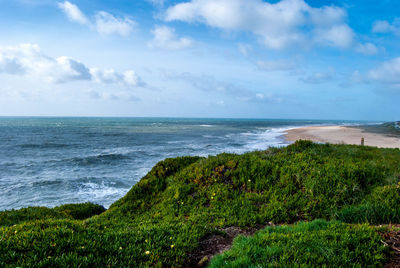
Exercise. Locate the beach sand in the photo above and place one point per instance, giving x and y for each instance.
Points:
(342, 135)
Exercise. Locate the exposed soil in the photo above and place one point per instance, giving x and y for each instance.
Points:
(215, 244)
(392, 240)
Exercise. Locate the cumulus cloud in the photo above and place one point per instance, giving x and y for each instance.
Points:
(336, 36)
(278, 25)
(367, 49)
(387, 73)
(10, 65)
(165, 38)
(383, 26)
(103, 22)
(68, 69)
(27, 59)
(129, 78)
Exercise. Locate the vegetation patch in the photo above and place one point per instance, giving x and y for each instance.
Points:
(68, 211)
(318, 243)
(167, 218)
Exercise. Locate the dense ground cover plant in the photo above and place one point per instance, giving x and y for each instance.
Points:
(182, 200)
(68, 211)
(314, 244)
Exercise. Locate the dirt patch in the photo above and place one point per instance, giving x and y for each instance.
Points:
(215, 244)
(392, 240)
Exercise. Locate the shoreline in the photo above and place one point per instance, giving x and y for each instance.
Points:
(342, 135)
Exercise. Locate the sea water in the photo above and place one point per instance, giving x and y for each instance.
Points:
(53, 161)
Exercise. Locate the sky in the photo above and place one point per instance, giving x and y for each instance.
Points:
(293, 59)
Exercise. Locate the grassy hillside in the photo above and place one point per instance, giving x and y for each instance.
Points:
(182, 201)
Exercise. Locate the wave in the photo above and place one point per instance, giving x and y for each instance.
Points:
(47, 145)
(44, 183)
(98, 159)
(104, 192)
(256, 140)
(114, 134)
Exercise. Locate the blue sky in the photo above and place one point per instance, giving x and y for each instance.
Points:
(201, 58)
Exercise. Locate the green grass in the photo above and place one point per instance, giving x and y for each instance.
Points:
(316, 244)
(162, 219)
(68, 211)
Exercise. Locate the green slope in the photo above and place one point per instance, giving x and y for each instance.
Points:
(183, 200)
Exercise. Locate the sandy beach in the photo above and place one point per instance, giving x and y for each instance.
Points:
(342, 135)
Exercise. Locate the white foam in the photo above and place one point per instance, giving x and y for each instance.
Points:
(102, 193)
(257, 140)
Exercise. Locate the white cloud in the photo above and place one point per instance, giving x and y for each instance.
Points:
(73, 12)
(165, 38)
(276, 65)
(108, 24)
(327, 15)
(383, 26)
(114, 96)
(245, 49)
(208, 83)
(27, 59)
(387, 73)
(367, 49)
(318, 78)
(10, 65)
(68, 69)
(103, 22)
(337, 36)
(278, 24)
(129, 78)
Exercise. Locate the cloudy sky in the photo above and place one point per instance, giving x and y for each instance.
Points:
(309, 59)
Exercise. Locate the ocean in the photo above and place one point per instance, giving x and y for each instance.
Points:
(53, 161)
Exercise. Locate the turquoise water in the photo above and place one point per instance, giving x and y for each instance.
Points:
(52, 161)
